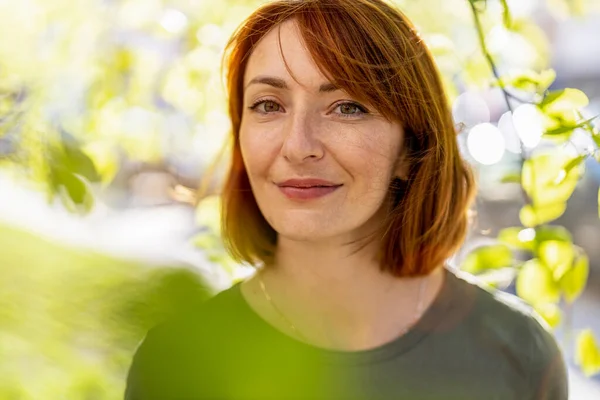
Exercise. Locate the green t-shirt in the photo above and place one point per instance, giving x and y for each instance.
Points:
(470, 344)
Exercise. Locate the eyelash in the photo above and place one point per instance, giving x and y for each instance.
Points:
(361, 109)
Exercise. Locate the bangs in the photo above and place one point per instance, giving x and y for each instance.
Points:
(369, 59)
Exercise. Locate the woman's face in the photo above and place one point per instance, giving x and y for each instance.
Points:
(308, 129)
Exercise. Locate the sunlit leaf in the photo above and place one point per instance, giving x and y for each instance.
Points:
(487, 257)
(105, 159)
(588, 353)
(67, 155)
(550, 312)
(530, 239)
(531, 216)
(545, 79)
(535, 283)
(557, 126)
(72, 189)
(576, 162)
(552, 232)
(558, 256)
(569, 127)
(565, 99)
(551, 97)
(575, 279)
(530, 81)
(545, 179)
(80, 163)
(517, 237)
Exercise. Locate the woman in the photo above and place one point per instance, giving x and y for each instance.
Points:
(347, 191)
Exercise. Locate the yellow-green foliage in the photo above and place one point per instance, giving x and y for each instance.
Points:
(70, 319)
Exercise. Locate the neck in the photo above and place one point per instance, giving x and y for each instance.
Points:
(322, 267)
(338, 300)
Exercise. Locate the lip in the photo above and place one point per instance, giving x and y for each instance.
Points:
(306, 183)
(307, 193)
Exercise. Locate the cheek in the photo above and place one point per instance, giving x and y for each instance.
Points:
(372, 157)
(257, 150)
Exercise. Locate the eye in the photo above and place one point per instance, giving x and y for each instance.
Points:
(265, 106)
(348, 109)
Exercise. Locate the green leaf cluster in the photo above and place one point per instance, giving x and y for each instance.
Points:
(70, 320)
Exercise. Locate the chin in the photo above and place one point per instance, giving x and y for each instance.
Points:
(302, 230)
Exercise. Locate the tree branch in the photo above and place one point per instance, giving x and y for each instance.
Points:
(506, 94)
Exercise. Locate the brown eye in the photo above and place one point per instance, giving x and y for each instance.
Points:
(265, 107)
(270, 106)
(348, 108)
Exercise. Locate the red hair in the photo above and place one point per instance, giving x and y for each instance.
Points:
(373, 52)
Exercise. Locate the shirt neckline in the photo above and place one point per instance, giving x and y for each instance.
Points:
(433, 316)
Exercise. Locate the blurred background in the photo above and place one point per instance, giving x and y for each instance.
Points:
(111, 113)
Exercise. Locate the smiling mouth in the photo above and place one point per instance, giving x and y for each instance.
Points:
(303, 193)
(313, 186)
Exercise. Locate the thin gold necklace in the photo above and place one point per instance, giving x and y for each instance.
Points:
(417, 314)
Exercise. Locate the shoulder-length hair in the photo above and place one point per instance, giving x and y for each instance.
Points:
(373, 52)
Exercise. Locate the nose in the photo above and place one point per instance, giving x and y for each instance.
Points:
(300, 142)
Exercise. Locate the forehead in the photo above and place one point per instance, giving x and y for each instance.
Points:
(284, 45)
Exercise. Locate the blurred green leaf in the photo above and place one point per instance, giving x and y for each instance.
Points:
(518, 237)
(575, 279)
(72, 189)
(530, 81)
(552, 232)
(530, 239)
(546, 181)
(569, 127)
(164, 293)
(513, 177)
(576, 162)
(588, 353)
(531, 216)
(104, 158)
(535, 283)
(565, 99)
(558, 256)
(76, 161)
(550, 312)
(487, 257)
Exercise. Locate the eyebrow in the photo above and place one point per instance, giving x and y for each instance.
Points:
(281, 84)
